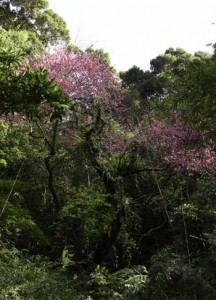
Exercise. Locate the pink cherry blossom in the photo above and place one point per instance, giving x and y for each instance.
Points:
(183, 147)
(82, 77)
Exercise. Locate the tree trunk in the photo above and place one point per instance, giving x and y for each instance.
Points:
(51, 183)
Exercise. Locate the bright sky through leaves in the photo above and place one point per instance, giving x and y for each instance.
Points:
(134, 32)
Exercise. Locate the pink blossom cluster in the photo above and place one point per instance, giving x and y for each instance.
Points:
(183, 147)
(114, 142)
(81, 76)
(68, 137)
(120, 140)
(13, 118)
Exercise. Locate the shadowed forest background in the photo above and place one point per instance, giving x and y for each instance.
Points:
(107, 180)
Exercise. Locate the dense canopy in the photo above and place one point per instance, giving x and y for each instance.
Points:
(107, 181)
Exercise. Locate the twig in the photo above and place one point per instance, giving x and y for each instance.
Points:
(151, 231)
(14, 183)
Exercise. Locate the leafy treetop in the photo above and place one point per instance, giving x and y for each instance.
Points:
(33, 16)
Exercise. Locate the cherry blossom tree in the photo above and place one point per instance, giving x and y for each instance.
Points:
(183, 147)
(82, 77)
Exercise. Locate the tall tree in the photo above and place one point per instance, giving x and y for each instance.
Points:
(34, 16)
(24, 40)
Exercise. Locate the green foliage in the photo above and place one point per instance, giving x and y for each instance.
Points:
(25, 41)
(34, 16)
(143, 89)
(172, 277)
(66, 193)
(83, 219)
(19, 227)
(210, 260)
(3, 162)
(31, 277)
(14, 142)
(187, 86)
(127, 284)
(197, 96)
(103, 57)
(25, 91)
